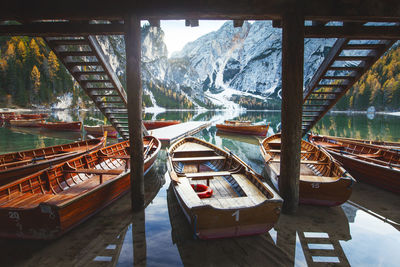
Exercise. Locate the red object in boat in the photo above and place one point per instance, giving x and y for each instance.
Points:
(202, 190)
(63, 126)
(150, 125)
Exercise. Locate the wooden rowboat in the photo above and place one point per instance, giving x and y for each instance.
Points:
(34, 116)
(382, 144)
(235, 122)
(243, 128)
(100, 129)
(62, 126)
(240, 203)
(26, 122)
(322, 180)
(18, 164)
(48, 203)
(368, 163)
(150, 125)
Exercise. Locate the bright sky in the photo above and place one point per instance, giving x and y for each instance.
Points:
(177, 34)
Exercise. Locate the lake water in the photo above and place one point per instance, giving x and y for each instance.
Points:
(355, 233)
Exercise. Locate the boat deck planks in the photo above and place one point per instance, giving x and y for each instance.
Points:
(172, 133)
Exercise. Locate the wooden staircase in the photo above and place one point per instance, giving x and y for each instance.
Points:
(337, 74)
(85, 60)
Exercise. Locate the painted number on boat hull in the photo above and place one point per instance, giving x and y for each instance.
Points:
(236, 213)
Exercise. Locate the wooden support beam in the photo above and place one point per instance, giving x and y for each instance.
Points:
(134, 95)
(277, 23)
(192, 22)
(154, 23)
(292, 100)
(46, 29)
(238, 23)
(353, 32)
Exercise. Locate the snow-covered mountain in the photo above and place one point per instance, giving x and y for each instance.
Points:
(244, 61)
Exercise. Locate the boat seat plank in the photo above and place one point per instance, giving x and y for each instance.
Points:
(117, 156)
(317, 179)
(369, 155)
(279, 151)
(315, 162)
(96, 171)
(210, 158)
(27, 200)
(192, 147)
(206, 174)
(187, 193)
(249, 188)
(229, 203)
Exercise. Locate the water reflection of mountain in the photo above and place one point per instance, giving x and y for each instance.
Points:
(98, 241)
(244, 251)
(359, 126)
(317, 230)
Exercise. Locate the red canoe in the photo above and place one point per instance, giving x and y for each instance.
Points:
(63, 126)
(51, 202)
(150, 125)
(243, 128)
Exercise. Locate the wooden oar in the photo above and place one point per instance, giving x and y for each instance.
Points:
(148, 148)
(244, 163)
(377, 161)
(38, 159)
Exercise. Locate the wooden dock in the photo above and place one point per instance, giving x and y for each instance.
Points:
(168, 135)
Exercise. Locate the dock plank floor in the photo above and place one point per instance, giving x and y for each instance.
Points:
(172, 133)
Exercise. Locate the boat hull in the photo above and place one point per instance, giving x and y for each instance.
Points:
(322, 180)
(99, 130)
(49, 221)
(38, 162)
(62, 126)
(240, 205)
(368, 163)
(320, 194)
(383, 177)
(260, 130)
(150, 125)
(26, 122)
(211, 223)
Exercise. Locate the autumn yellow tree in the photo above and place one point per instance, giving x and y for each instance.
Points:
(35, 78)
(54, 66)
(22, 50)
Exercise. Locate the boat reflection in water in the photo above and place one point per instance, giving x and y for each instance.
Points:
(47, 133)
(239, 251)
(250, 139)
(316, 231)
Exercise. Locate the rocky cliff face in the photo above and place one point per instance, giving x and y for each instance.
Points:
(244, 61)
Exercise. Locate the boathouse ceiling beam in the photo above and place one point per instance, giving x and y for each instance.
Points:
(316, 10)
(353, 32)
(48, 29)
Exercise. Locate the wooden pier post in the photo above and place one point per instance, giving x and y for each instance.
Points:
(292, 100)
(134, 95)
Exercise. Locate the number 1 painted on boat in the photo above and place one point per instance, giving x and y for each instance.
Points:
(236, 213)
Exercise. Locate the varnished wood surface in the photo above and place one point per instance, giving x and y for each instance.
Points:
(322, 180)
(235, 189)
(51, 202)
(243, 128)
(18, 164)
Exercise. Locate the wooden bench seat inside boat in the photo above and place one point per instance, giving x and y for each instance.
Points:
(197, 175)
(209, 158)
(328, 144)
(303, 162)
(369, 155)
(317, 179)
(96, 171)
(279, 151)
